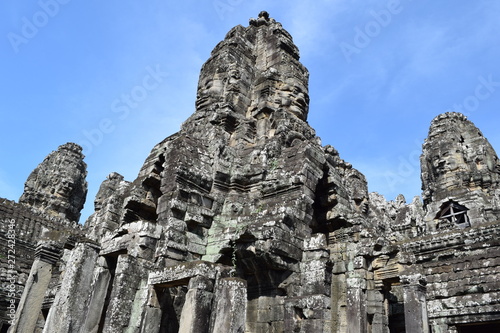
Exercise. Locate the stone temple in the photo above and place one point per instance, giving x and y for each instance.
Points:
(243, 222)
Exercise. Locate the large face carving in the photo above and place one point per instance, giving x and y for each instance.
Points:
(291, 95)
(64, 187)
(223, 86)
(450, 159)
(210, 91)
(294, 98)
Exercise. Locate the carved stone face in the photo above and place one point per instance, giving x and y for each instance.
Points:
(63, 183)
(294, 98)
(290, 95)
(64, 187)
(58, 184)
(210, 91)
(225, 85)
(448, 162)
(234, 79)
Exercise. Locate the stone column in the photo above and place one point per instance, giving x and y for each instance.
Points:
(195, 315)
(339, 308)
(415, 304)
(339, 286)
(356, 303)
(68, 313)
(100, 285)
(230, 306)
(153, 313)
(375, 307)
(127, 280)
(46, 256)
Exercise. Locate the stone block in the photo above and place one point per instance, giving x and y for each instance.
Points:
(229, 307)
(201, 282)
(195, 316)
(171, 276)
(315, 242)
(67, 312)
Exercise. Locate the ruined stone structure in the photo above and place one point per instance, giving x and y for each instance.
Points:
(48, 211)
(243, 222)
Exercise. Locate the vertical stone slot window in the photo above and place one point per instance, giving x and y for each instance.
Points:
(453, 214)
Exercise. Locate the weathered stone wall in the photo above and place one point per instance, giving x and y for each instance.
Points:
(462, 270)
(26, 226)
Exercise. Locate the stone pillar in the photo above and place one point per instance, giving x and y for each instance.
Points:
(153, 312)
(127, 280)
(375, 308)
(195, 315)
(339, 286)
(229, 309)
(100, 285)
(339, 293)
(46, 256)
(414, 291)
(68, 313)
(356, 303)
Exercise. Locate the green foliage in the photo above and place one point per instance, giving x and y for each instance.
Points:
(258, 209)
(273, 164)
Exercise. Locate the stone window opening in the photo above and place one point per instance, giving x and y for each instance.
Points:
(452, 213)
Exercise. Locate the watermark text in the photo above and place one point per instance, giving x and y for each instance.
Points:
(121, 108)
(30, 26)
(11, 279)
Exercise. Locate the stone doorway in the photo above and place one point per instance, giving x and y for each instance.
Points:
(171, 301)
(197, 297)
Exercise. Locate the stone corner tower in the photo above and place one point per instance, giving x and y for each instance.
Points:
(460, 173)
(58, 186)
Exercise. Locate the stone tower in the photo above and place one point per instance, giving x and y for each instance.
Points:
(57, 186)
(460, 171)
(244, 192)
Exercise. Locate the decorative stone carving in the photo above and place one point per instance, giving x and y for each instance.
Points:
(457, 157)
(58, 186)
(459, 165)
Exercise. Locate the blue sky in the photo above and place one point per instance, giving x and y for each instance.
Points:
(119, 76)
